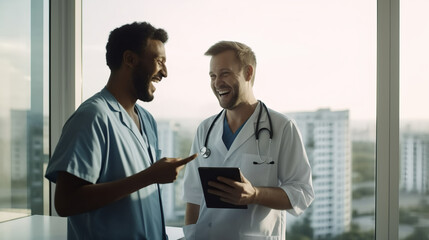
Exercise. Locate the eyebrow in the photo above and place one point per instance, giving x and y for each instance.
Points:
(222, 70)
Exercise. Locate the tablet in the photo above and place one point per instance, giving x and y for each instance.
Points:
(210, 174)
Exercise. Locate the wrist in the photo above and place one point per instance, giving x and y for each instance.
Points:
(146, 177)
(255, 196)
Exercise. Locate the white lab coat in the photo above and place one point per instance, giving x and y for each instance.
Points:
(291, 171)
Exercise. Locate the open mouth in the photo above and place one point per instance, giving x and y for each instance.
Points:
(156, 80)
(223, 92)
(153, 82)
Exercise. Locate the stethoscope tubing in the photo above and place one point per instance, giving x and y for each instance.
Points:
(205, 151)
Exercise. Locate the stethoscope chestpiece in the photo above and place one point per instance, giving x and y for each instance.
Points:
(205, 152)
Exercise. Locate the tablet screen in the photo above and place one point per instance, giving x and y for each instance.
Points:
(210, 174)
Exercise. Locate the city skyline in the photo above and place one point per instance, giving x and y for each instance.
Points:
(307, 60)
(170, 134)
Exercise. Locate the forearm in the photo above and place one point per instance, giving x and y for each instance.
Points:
(72, 200)
(192, 212)
(272, 197)
(74, 195)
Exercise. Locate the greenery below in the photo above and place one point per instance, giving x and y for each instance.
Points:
(363, 192)
(419, 234)
(406, 217)
(363, 162)
(363, 170)
(302, 231)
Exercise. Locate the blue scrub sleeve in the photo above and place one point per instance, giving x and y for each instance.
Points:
(81, 146)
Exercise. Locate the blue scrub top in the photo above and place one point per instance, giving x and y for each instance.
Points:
(228, 136)
(100, 143)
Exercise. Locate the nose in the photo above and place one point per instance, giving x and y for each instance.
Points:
(164, 72)
(217, 82)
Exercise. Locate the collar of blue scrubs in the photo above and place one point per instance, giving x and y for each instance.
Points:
(111, 100)
(115, 106)
(123, 115)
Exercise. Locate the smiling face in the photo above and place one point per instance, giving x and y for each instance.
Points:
(227, 79)
(150, 69)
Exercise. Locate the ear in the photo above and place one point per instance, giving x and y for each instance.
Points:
(248, 71)
(129, 59)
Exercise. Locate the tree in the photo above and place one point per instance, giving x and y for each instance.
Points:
(301, 230)
(418, 234)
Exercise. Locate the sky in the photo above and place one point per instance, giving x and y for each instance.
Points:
(311, 54)
(308, 56)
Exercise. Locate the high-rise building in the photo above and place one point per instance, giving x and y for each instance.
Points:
(18, 150)
(19, 158)
(415, 162)
(27, 156)
(326, 136)
(167, 136)
(5, 164)
(35, 160)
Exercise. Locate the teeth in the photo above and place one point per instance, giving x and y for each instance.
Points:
(222, 92)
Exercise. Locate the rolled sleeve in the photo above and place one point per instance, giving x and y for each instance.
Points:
(300, 197)
(295, 171)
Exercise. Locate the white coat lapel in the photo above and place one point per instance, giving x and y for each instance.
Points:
(246, 132)
(217, 132)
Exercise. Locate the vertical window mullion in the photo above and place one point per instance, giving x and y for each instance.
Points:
(65, 67)
(387, 166)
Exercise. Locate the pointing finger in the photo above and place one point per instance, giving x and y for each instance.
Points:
(186, 160)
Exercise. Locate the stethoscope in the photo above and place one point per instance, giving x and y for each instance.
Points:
(151, 158)
(205, 151)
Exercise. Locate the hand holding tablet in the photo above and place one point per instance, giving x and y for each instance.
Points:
(211, 174)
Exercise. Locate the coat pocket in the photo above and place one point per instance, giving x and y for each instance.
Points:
(257, 237)
(189, 231)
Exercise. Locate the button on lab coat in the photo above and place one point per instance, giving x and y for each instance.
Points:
(291, 172)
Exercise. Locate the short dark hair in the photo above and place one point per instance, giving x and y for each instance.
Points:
(131, 37)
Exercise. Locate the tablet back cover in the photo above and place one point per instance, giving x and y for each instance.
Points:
(210, 174)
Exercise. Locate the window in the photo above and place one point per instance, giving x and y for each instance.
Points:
(24, 111)
(414, 119)
(316, 63)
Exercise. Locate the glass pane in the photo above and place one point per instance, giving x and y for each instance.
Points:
(23, 107)
(316, 63)
(414, 119)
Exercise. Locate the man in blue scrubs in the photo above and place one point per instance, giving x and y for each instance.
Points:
(105, 164)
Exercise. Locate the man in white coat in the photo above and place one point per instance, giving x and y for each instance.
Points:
(265, 145)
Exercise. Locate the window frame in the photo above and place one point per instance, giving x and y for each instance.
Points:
(66, 95)
(387, 121)
(65, 67)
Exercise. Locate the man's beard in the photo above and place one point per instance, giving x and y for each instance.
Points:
(141, 81)
(232, 103)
